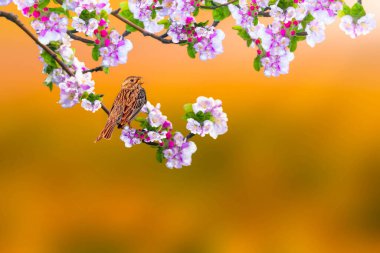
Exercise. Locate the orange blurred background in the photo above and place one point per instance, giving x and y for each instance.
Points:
(298, 171)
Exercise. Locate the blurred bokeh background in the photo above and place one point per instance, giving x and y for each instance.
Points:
(298, 171)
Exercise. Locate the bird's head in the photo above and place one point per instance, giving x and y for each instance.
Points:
(132, 81)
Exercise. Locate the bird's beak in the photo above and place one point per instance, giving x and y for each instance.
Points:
(141, 80)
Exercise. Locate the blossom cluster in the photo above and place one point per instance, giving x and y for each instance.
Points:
(206, 117)
(178, 16)
(92, 20)
(51, 25)
(361, 26)
(293, 21)
(172, 146)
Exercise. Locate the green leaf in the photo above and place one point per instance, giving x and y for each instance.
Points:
(129, 15)
(49, 85)
(86, 15)
(154, 14)
(257, 63)
(293, 44)
(165, 22)
(357, 11)
(346, 10)
(160, 155)
(196, 12)
(255, 20)
(307, 20)
(84, 95)
(43, 3)
(221, 13)
(124, 6)
(242, 32)
(189, 115)
(140, 119)
(93, 97)
(48, 59)
(59, 10)
(106, 70)
(104, 15)
(188, 107)
(95, 53)
(191, 51)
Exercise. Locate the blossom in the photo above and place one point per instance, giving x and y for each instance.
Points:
(117, 51)
(91, 5)
(180, 153)
(363, 26)
(22, 4)
(91, 106)
(54, 29)
(209, 42)
(215, 124)
(315, 32)
(324, 10)
(156, 136)
(203, 104)
(130, 137)
(5, 2)
(275, 65)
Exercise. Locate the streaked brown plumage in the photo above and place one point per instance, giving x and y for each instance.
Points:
(126, 106)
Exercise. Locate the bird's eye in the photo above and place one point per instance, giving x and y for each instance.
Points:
(132, 80)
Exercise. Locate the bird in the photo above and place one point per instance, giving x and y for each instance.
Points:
(127, 104)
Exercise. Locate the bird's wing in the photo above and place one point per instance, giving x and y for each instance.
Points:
(117, 108)
(137, 100)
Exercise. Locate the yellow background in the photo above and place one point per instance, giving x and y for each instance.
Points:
(298, 171)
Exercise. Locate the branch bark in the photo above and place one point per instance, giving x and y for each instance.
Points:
(116, 14)
(78, 38)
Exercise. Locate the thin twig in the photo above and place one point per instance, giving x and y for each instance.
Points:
(116, 14)
(14, 19)
(78, 38)
(126, 33)
(99, 68)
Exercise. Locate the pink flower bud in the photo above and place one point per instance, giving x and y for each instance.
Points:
(36, 14)
(168, 135)
(44, 19)
(288, 24)
(171, 144)
(103, 33)
(268, 54)
(35, 6)
(166, 124)
(107, 42)
(259, 52)
(26, 10)
(283, 32)
(102, 22)
(293, 33)
(46, 9)
(96, 31)
(97, 42)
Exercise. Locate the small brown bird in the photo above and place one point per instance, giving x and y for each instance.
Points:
(126, 106)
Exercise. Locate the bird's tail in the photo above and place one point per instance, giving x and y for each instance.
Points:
(107, 131)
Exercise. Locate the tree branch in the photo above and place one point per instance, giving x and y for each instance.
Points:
(116, 14)
(99, 68)
(78, 38)
(14, 19)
